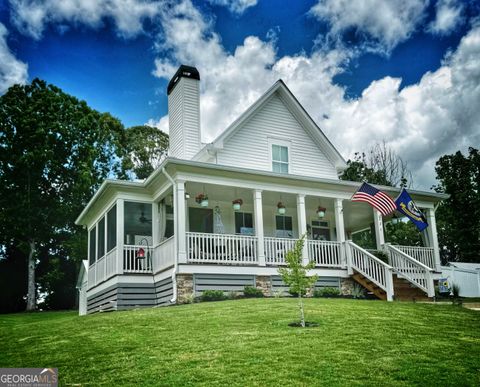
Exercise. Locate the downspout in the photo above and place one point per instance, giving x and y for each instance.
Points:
(175, 247)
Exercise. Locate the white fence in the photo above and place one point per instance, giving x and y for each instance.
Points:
(276, 249)
(132, 264)
(421, 254)
(326, 253)
(163, 255)
(413, 271)
(221, 248)
(103, 269)
(467, 280)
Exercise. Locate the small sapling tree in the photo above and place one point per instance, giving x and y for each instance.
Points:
(295, 275)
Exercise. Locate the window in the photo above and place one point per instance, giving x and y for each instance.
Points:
(101, 238)
(320, 230)
(200, 219)
(284, 226)
(138, 223)
(93, 245)
(112, 228)
(243, 223)
(279, 158)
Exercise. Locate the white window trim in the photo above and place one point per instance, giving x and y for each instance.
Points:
(279, 142)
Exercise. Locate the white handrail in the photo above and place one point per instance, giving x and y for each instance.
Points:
(132, 264)
(325, 253)
(374, 269)
(413, 271)
(221, 248)
(276, 249)
(421, 254)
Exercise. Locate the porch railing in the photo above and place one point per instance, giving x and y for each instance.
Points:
(276, 249)
(413, 271)
(370, 267)
(132, 264)
(421, 254)
(221, 248)
(163, 255)
(326, 253)
(103, 269)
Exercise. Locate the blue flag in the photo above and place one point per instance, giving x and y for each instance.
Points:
(407, 207)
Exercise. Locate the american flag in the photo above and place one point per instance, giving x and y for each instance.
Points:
(376, 198)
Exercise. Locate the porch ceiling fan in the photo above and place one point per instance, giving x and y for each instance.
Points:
(143, 219)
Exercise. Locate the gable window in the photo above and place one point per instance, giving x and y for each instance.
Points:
(279, 158)
(284, 226)
(244, 223)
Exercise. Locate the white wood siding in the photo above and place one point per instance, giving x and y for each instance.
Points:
(184, 119)
(248, 147)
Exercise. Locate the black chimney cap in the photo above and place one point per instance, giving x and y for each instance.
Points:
(183, 71)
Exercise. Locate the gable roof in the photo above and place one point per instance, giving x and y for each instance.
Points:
(298, 111)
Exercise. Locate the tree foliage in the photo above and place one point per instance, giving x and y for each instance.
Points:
(55, 151)
(380, 165)
(295, 274)
(458, 217)
(143, 150)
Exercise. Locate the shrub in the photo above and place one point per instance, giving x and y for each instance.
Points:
(252, 292)
(326, 292)
(190, 298)
(233, 295)
(358, 291)
(212, 295)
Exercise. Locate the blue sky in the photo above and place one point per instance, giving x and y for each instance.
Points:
(367, 71)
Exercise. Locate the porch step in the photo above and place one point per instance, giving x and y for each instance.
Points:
(405, 291)
(370, 286)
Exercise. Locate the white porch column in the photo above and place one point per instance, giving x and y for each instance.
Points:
(433, 237)
(302, 225)
(120, 234)
(180, 221)
(378, 222)
(340, 228)
(258, 210)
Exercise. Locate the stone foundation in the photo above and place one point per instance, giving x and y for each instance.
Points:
(184, 288)
(264, 282)
(346, 286)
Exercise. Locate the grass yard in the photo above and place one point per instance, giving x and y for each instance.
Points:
(248, 342)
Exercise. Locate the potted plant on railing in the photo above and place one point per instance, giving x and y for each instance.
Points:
(281, 208)
(321, 211)
(202, 199)
(237, 203)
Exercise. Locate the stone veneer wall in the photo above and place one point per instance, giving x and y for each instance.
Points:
(264, 282)
(346, 286)
(184, 287)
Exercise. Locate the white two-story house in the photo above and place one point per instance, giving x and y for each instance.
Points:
(222, 215)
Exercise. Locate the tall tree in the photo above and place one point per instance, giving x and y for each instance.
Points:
(55, 151)
(458, 217)
(144, 148)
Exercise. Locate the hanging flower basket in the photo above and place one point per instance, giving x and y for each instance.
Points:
(321, 211)
(237, 203)
(281, 208)
(202, 199)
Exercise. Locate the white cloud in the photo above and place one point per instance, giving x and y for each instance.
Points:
(383, 23)
(437, 115)
(12, 70)
(235, 6)
(32, 16)
(161, 124)
(449, 14)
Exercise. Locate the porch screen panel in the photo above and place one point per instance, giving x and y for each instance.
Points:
(169, 229)
(112, 228)
(243, 223)
(138, 223)
(101, 238)
(93, 245)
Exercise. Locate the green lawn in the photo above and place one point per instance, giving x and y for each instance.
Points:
(248, 342)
